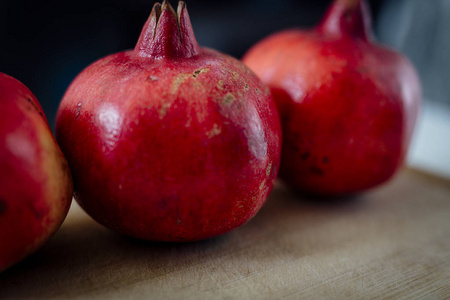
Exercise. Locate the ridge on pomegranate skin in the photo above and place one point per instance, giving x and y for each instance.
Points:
(348, 106)
(170, 141)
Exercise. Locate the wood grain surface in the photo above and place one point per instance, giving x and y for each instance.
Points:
(393, 242)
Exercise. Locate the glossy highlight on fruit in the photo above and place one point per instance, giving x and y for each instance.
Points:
(35, 182)
(170, 141)
(347, 104)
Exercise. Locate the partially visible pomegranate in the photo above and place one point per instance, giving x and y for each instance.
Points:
(170, 141)
(35, 182)
(348, 105)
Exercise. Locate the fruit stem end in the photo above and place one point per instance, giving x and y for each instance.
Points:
(348, 17)
(168, 34)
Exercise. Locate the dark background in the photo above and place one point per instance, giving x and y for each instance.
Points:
(45, 44)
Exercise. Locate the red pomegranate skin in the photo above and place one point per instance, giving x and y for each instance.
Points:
(35, 182)
(170, 141)
(347, 105)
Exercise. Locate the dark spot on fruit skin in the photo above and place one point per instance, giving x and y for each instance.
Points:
(3, 206)
(325, 159)
(305, 155)
(35, 107)
(196, 72)
(316, 170)
(39, 213)
(199, 71)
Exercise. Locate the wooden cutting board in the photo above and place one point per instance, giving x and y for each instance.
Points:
(393, 242)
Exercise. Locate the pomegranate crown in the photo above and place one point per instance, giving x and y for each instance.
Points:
(348, 17)
(168, 34)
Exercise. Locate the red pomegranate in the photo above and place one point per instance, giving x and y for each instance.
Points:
(170, 141)
(347, 105)
(35, 182)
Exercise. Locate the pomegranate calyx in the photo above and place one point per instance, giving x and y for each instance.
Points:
(168, 34)
(347, 18)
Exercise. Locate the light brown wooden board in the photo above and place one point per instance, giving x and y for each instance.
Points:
(393, 242)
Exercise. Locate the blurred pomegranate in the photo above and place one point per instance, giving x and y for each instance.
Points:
(35, 182)
(348, 105)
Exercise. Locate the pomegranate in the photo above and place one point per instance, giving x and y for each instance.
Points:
(35, 182)
(170, 141)
(347, 105)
